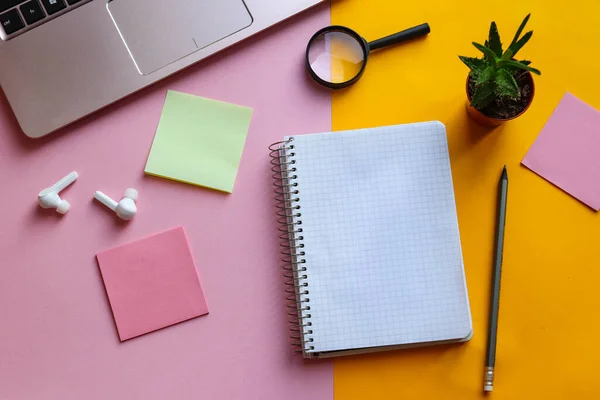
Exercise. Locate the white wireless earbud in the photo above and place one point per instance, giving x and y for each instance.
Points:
(125, 208)
(49, 198)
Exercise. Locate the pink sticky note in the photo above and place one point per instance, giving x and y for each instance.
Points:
(566, 151)
(152, 283)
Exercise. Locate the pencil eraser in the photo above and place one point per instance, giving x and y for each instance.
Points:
(487, 388)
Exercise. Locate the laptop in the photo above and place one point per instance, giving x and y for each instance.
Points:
(61, 60)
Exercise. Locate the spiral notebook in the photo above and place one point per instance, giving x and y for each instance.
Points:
(370, 240)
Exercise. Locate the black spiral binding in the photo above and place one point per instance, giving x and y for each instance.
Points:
(287, 194)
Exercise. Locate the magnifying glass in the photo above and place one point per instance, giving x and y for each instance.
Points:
(336, 56)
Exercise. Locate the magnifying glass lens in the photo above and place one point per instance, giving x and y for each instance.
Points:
(336, 57)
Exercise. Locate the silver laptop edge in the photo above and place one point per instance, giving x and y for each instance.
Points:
(78, 63)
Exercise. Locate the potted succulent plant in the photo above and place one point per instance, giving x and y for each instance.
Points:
(499, 88)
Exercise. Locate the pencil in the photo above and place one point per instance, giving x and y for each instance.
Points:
(496, 274)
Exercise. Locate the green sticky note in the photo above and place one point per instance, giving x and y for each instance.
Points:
(199, 141)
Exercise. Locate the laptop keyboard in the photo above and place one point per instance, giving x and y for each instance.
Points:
(18, 16)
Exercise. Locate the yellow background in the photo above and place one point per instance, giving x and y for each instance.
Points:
(549, 329)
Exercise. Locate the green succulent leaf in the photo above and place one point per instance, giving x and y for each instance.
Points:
(507, 85)
(518, 65)
(486, 51)
(487, 74)
(515, 47)
(484, 95)
(486, 44)
(476, 65)
(514, 69)
(494, 40)
(519, 31)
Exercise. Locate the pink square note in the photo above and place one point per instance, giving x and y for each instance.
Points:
(152, 283)
(566, 151)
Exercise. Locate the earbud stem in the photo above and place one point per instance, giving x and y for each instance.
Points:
(107, 201)
(64, 182)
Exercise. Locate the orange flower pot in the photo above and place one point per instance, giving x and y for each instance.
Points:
(484, 120)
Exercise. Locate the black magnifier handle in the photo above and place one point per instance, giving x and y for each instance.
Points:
(407, 34)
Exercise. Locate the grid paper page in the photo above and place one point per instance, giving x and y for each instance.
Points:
(381, 240)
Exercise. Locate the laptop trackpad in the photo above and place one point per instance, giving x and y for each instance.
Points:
(158, 33)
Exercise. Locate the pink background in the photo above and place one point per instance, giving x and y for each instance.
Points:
(57, 335)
